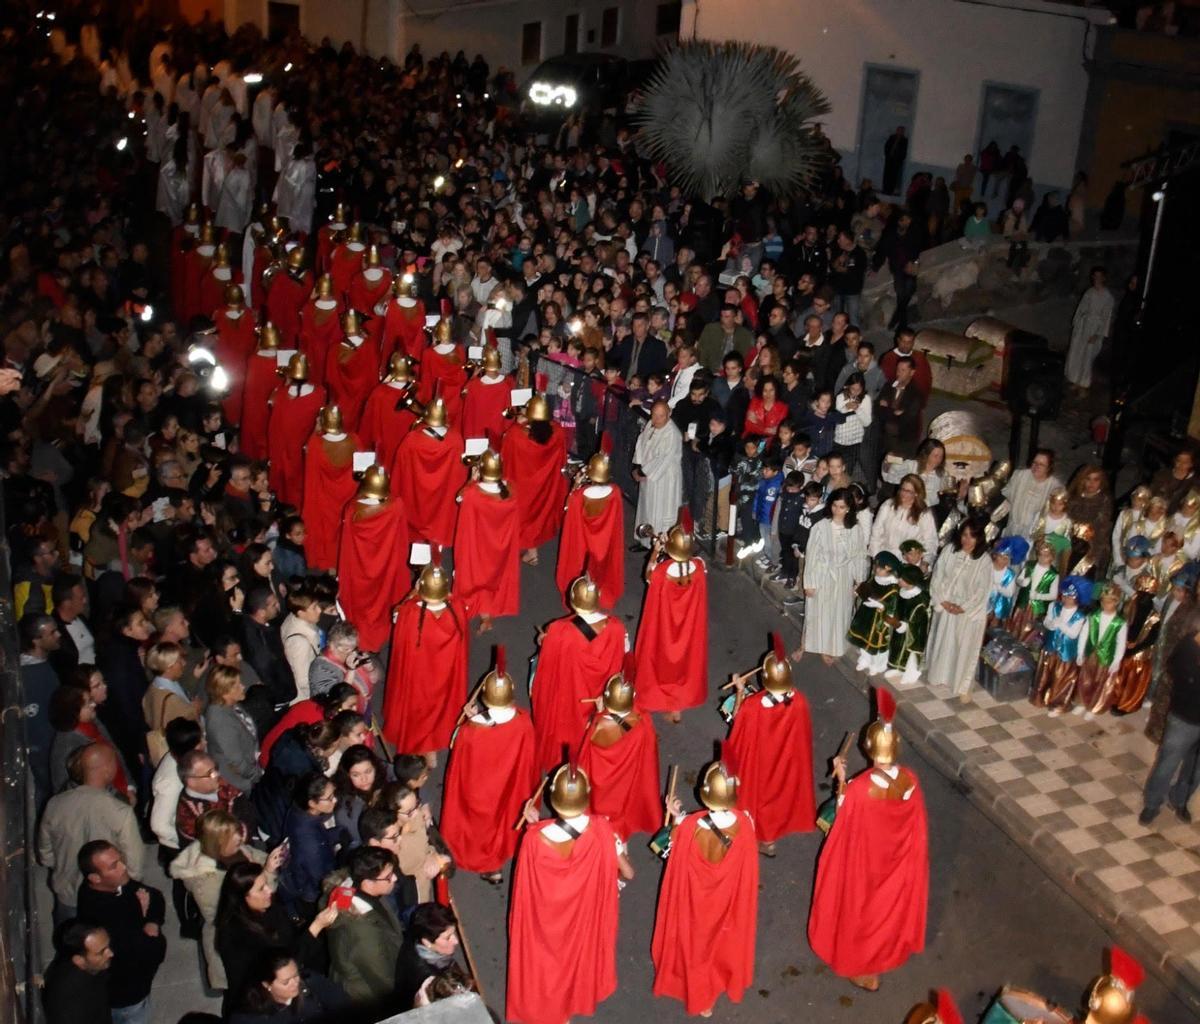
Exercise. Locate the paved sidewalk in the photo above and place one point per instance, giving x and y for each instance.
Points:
(1068, 792)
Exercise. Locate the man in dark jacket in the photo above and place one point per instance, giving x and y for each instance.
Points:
(132, 914)
(428, 949)
(262, 647)
(640, 353)
(40, 638)
(70, 612)
(122, 713)
(76, 988)
(1179, 751)
(364, 946)
(900, 405)
(692, 416)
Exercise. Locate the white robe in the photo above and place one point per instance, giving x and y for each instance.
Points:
(1089, 328)
(835, 563)
(212, 179)
(174, 192)
(1026, 497)
(893, 527)
(956, 640)
(236, 202)
(659, 453)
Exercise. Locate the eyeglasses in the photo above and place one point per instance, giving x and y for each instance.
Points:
(212, 773)
(384, 879)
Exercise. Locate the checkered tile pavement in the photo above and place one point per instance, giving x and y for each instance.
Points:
(1069, 791)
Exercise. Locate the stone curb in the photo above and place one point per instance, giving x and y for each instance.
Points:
(928, 738)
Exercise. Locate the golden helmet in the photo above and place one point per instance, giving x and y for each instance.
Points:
(537, 409)
(776, 669)
(719, 788)
(355, 234)
(433, 584)
(372, 258)
(208, 233)
(297, 368)
(351, 322)
(498, 687)
(1140, 493)
(221, 256)
(599, 469)
(374, 484)
(491, 359)
(297, 259)
(1190, 504)
(268, 337)
(193, 213)
(443, 332)
(330, 420)
(681, 537)
(1110, 1000)
(404, 287)
(944, 1011)
(584, 595)
(618, 691)
(1145, 583)
(570, 791)
(491, 469)
(235, 298)
(435, 413)
(882, 742)
(278, 225)
(399, 368)
(325, 287)
(339, 214)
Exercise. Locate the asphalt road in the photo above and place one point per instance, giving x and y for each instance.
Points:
(994, 917)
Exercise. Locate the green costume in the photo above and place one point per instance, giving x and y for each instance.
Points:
(1038, 601)
(871, 627)
(914, 613)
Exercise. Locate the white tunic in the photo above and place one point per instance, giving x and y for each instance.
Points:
(1027, 497)
(236, 201)
(659, 453)
(1089, 328)
(893, 527)
(834, 564)
(295, 194)
(955, 640)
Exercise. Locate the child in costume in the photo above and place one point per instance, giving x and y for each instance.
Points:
(1155, 523)
(1169, 560)
(870, 629)
(1143, 622)
(912, 552)
(1135, 554)
(1129, 520)
(1101, 651)
(1058, 668)
(1054, 527)
(910, 630)
(1185, 523)
(1037, 591)
(1007, 558)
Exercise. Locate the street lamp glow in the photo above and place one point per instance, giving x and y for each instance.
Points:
(253, 78)
(288, 66)
(122, 142)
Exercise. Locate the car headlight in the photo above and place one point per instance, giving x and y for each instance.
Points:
(546, 95)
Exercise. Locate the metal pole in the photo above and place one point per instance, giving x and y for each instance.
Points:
(1158, 219)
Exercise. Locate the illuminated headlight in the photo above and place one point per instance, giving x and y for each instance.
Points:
(546, 95)
(252, 78)
(199, 354)
(219, 379)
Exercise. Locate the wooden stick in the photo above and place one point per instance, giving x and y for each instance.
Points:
(730, 685)
(462, 715)
(532, 799)
(462, 938)
(843, 750)
(670, 793)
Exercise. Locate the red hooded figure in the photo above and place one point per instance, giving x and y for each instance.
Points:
(535, 454)
(593, 532)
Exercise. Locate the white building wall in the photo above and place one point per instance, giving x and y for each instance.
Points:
(955, 46)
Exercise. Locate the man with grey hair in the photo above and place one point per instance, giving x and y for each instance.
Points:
(338, 662)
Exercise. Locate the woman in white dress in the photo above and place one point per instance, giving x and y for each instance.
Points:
(1089, 328)
(962, 581)
(834, 564)
(905, 517)
(174, 184)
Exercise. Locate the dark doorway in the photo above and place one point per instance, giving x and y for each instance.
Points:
(282, 19)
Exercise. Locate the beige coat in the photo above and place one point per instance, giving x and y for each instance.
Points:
(77, 816)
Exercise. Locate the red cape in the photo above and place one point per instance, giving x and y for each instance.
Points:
(624, 778)
(427, 677)
(872, 888)
(262, 378)
(285, 298)
(263, 258)
(290, 426)
(602, 537)
(427, 474)
(570, 668)
(210, 291)
(404, 329)
(325, 235)
(351, 374)
(195, 267)
(487, 557)
(304, 712)
(707, 914)
(451, 372)
(182, 242)
(236, 342)
(364, 295)
(372, 567)
(320, 331)
(328, 485)
(344, 263)
(536, 472)
(772, 747)
(672, 640)
(383, 426)
(562, 926)
(482, 407)
(489, 777)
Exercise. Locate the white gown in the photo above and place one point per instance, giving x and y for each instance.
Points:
(236, 201)
(1093, 317)
(659, 452)
(1027, 498)
(956, 640)
(893, 527)
(835, 563)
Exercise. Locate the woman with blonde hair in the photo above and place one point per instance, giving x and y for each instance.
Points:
(165, 699)
(903, 518)
(232, 736)
(201, 867)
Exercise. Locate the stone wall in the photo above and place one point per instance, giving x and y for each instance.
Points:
(959, 280)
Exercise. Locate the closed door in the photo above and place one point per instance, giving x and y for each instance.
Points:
(571, 34)
(889, 102)
(1007, 116)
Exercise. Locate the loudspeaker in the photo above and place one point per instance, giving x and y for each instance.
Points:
(1036, 383)
(1017, 346)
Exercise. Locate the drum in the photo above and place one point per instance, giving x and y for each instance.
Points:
(826, 813)
(1020, 1006)
(660, 842)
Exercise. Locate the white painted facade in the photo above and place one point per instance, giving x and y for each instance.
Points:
(956, 47)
